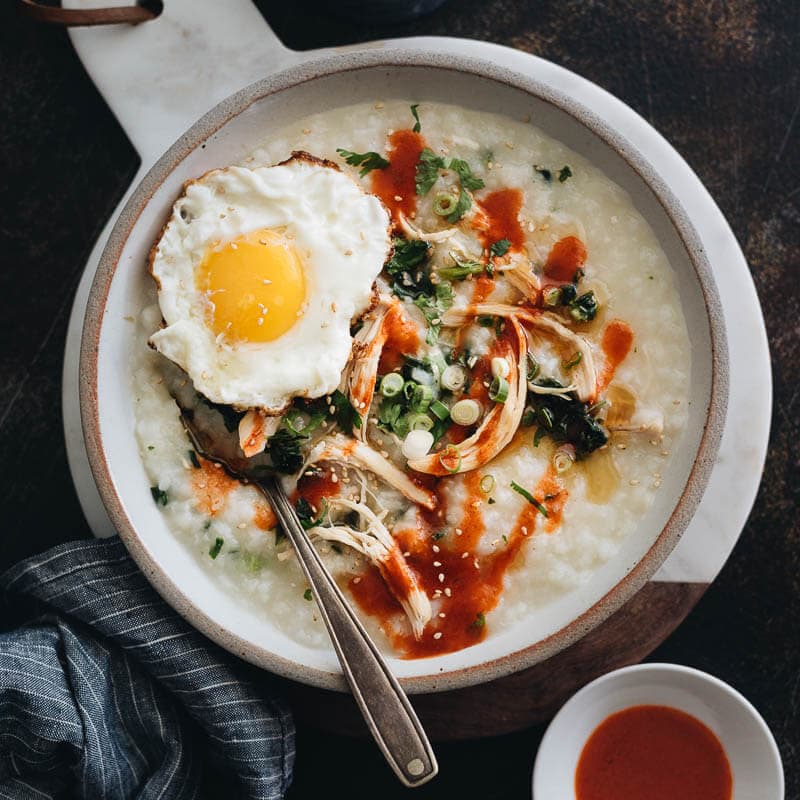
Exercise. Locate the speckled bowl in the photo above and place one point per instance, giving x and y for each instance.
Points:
(226, 135)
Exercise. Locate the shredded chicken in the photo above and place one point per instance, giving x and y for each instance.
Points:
(255, 428)
(498, 426)
(521, 276)
(362, 369)
(377, 544)
(584, 374)
(415, 233)
(345, 450)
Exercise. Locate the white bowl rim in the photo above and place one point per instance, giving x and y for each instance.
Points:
(341, 64)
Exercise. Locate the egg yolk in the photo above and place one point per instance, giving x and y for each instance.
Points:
(255, 287)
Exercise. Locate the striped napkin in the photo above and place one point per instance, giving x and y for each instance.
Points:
(105, 692)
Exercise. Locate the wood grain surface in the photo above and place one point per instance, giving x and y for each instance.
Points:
(720, 80)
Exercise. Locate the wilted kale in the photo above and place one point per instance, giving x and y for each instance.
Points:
(566, 421)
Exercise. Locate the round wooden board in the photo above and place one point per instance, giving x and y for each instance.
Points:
(532, 695)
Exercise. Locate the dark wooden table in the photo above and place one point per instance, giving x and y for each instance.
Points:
(719, 79)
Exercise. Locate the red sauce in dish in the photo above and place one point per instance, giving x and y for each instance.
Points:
(314, 487)
(616, 344)
(471, 584)
(398, 179)
(566, 257)
(653, 753)
(498, 218)
(402, 339)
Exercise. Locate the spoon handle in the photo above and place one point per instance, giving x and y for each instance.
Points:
(386, 709)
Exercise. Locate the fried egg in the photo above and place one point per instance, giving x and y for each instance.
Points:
(260, 274)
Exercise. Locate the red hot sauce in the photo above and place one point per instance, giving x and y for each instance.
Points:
(396, 184)
(653, 752)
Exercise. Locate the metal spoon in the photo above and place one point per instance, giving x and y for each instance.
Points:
(384, 705)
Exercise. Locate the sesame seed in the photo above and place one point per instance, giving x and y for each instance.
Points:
(622, 446)
(441, 577)
(442, 614)
(438, 593)
(448, 592)
(665, 452)
(524, 530)
(306, 131)
(437, 635)
(465, 554)
(378, 106)
(348, 252)
(385, 453)
(260, 320)
(406, 554)
(459, 531)
(234, 246)
(334, 478)
(634, 481)
(437, 563)
(477, 565)
(356, 580)
(656, 484)
(398, 198)
(435, 548)
(654, 442)
(489, 164)
(676, 402)
(242, 526)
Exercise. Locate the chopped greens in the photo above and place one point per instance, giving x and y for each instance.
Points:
(584, 308)
(159, 495)
(479, 621)
(573, 362)
(564, 174)
(345, 415)
(417, 127)
(461, 270)
(367, 161)
(428, 168)
(193, 458)
(284, 450)
(530, 498)
(216, 547)
(499, 248)
(438, 535)
(434, 307)
(307, 595)
(306, 515)
(566, 421)
(462, 206)
(545, 173)
(464, 172)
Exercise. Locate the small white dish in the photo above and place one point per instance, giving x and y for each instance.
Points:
(748, 742)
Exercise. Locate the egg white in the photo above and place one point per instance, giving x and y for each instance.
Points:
(340, 233)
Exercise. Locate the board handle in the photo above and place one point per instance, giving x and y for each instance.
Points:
(159, 78)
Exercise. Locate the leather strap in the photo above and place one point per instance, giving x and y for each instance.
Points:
(142, 11)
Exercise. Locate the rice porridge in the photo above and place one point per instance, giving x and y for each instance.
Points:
(505, 397)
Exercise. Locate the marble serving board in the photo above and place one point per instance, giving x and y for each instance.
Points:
(160, 76)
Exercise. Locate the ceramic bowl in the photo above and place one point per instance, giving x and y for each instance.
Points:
(226, 135)
(749, 744)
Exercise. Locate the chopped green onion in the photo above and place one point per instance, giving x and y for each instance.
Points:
(421, 399)
(454, 377)
(574, 361)
(533, 367)
(569, 291)
(216, 547)
(409, 388)
(444, 203)
(307, 595)
(564, 174)
(563, 460)
(465, 412)
(419, 422)
(450, 459)
(392, 384)
(551, 296)
(498, 391)
(439, 410)
(479, 621)
(487, 483)
(417, 126)
(546, 417)
(530, 498)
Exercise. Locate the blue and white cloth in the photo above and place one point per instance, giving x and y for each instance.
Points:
(105, 692)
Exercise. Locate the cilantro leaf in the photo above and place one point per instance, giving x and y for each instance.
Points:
(499, 248)
(216, 547)
(407, 255)
(462, 206)
(305, 514)
(428, 168)
(464, 172)
(417, 127)
(367, 161)
(284, 450)
(434, 307)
